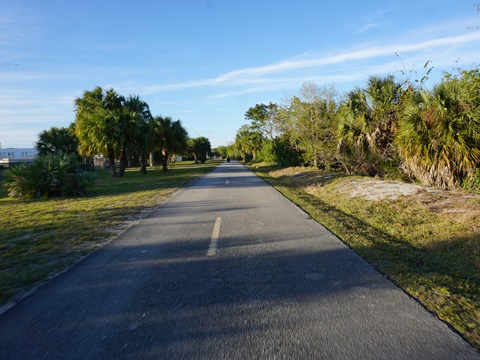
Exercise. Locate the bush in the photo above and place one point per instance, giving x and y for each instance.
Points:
(48, 176)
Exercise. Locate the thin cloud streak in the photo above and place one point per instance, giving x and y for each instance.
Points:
(254, 74)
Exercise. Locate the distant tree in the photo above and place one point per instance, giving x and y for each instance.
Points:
(249, 142)
(265, 119)
(199, 147)
(232, 151)
(220, 151)
(169, 137)
(100, 124)
(57, 140)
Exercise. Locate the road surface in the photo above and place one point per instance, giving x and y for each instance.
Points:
(227, 269)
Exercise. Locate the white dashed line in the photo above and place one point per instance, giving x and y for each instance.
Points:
(212, 249)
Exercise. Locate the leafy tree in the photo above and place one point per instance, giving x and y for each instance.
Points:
(264, 118)
(100, 124)
(439, 135)
(311, 120)
(199, 147)
(57, 140)
(169, 137)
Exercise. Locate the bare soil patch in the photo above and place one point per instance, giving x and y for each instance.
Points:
(437, 200)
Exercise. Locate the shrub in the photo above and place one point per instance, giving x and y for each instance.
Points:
(48, 176)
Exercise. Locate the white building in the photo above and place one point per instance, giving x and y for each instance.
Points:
(16, 155)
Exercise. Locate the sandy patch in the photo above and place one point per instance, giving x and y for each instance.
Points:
(380, 189)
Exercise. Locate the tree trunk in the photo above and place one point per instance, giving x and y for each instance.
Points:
(123, 163)
(143, 164)
(111, 160)
(151, 159)
(164, 160)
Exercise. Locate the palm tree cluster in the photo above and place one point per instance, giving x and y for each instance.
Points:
(388, 128)
(124, 130)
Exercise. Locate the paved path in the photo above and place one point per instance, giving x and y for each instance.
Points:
(227, 269)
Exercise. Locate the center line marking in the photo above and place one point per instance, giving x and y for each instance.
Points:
(212, 248)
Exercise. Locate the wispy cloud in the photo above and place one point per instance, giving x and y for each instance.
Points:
(371, 22)
(258, 75)
(367, 27)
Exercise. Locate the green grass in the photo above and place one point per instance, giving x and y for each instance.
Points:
(41, 238)
(433, 253)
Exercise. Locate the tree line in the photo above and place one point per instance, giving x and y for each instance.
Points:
(390, 128)
(120, 129)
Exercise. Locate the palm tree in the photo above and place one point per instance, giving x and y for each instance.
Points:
(439, 135)
(168, 137)
(140, 129)
(57, 140)
(99, 124)
(248, 141)
(368, 121)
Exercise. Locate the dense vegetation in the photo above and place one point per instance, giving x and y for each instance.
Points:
(390, 128)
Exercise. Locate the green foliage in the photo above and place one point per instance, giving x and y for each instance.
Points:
(286, 154)
(48, 176)
(473, 183)
(267, 153)
(310, 122)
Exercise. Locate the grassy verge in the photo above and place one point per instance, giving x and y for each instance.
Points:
(43, 237)
(427, 243)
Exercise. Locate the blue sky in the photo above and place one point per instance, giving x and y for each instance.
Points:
(206, 62)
